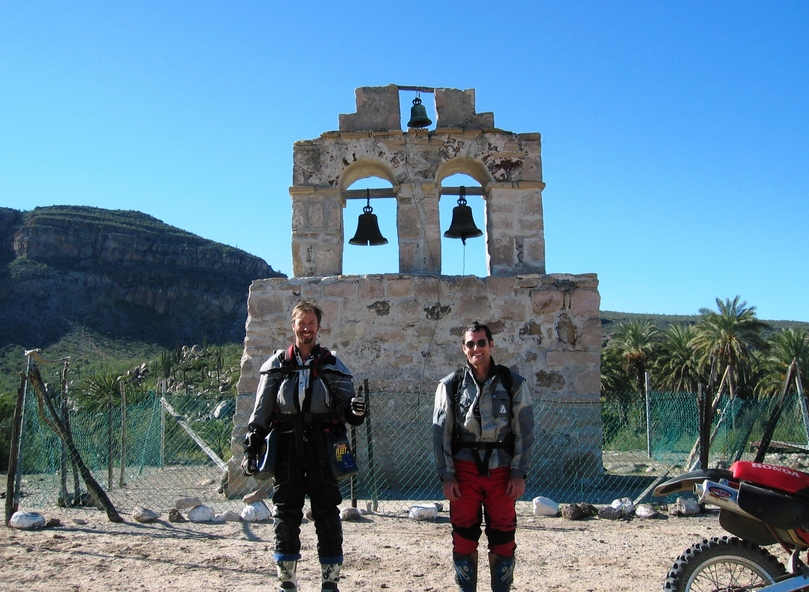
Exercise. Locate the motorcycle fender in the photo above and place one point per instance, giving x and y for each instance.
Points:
(746, 528)
(686, 481)
(781, 510)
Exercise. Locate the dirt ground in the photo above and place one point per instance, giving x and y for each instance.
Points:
(382, 552)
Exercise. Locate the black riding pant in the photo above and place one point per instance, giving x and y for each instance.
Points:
(296, 476)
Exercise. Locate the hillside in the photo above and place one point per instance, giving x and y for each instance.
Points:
(109, 284)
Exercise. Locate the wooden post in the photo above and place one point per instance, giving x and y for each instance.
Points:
(369, 439)
(58, 426)
(775, 415)
(648, 415)
(121, 476)
(802, 399)
(110, 445)
(163, 426)
(12, 491)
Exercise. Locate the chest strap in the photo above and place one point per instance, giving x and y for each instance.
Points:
(482, 464)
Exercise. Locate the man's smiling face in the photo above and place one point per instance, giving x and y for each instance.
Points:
(477, 348)
(305, 327)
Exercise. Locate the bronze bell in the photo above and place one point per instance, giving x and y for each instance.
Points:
(462, 225)
(368, 228)
(418, 115)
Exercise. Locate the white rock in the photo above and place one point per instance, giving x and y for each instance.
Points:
(684, 507)
(27, 520)
(230, 516)
(255, 512)
(201, 513)
(625, 504)
(144, 515)
(544, 506)
(349, 514)
(423, 512)
(646, 511)
(184, 503)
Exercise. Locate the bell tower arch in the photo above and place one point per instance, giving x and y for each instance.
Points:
(507, 165)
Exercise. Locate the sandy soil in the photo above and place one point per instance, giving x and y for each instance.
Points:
(382, 552)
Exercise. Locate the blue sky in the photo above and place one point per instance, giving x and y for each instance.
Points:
(674, 135)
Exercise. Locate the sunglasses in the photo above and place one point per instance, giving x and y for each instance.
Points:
(480, 343)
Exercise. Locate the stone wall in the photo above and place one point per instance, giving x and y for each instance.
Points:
(403, 332)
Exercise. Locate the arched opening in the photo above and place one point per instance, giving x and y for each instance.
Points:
(457, 258)
(369, 259)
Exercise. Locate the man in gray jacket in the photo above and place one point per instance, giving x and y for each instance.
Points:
(483, 430)
(305, 395)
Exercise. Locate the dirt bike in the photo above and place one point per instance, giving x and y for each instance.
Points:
(761, 505)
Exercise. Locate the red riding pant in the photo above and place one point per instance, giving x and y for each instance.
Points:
(482, 496)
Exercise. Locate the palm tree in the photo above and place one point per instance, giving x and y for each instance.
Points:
(636, 341)
(614, 379)
(785, 346)
(731, 334)
(677, 366)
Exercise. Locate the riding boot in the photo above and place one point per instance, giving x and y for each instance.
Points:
(330, 575)
(466, 571)
(286, 575)
(502, 569)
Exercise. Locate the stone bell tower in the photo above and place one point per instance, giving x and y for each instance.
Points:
(370, 143)
(401, 331)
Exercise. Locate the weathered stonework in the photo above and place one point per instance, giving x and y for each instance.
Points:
(370, 143)
(402, 331)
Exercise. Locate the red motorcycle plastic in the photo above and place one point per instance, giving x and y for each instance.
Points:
(761, 505)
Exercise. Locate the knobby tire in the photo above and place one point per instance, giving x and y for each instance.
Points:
(723, 563)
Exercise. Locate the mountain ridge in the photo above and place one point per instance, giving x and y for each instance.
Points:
(118, 272)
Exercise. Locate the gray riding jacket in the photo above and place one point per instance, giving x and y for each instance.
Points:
(286, 388)
(485, 414)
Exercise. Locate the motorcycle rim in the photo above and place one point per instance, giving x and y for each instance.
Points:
(723, 564)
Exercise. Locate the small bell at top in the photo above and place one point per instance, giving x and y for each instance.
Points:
(418, 115)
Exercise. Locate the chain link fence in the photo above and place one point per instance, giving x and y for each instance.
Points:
(159, 447)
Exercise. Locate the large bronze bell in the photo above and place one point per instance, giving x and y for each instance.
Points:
(418, 115)
(368, 233)
(462, 225)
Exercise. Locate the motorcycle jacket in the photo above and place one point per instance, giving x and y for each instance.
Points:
(298, 394)
(490, 424)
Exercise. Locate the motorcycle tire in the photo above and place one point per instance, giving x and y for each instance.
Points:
(723, 563)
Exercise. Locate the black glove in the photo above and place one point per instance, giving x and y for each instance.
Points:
(358, 405)
(249, 465)
(253, 443)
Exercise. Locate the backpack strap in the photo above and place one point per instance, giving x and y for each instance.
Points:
(455, 384)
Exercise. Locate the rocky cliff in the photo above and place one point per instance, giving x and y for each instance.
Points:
(120, 273)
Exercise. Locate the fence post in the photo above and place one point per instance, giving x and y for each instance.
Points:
(648, 416)
(369, 440)
(163, 426)
(802, 400)
(110, 444)
(121, 476)
(352, 479)
(15, 454)
(21, 443)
